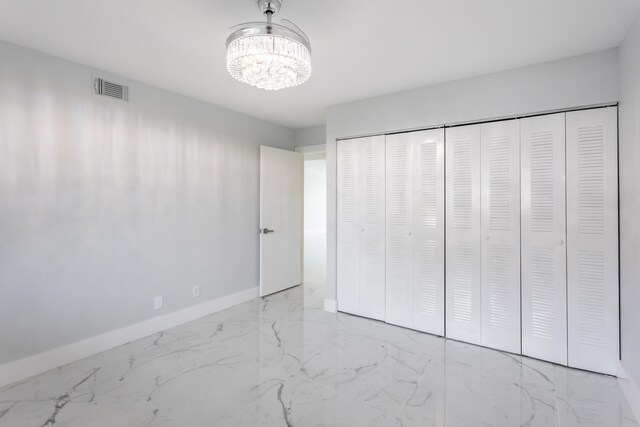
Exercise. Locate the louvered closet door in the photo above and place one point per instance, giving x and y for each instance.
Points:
(399, 286)
(428, 231)
(463, 233)
(348, 226)
(500, 224)
(544, 314)
(592, 239)
(372, 220)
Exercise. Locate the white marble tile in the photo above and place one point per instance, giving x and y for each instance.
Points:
(284, 361)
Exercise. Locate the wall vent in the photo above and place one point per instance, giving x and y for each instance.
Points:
(110, 90)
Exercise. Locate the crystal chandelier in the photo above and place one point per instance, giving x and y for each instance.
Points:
(267, 55)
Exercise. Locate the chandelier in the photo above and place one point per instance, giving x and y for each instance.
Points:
(267, 55)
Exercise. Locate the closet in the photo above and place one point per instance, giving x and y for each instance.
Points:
(483, 234)
(361, 226)
(502, 234)
(415, 230)
(544, 258)
(463, 233)
(592, 239)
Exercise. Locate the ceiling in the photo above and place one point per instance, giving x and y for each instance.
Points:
(360, 48)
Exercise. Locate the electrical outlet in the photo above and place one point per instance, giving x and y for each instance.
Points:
(195, 291)
(158, 302)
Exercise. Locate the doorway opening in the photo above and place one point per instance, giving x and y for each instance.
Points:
(315, 222)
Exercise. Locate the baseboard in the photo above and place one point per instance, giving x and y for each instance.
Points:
(630, 389)
(330, 305)
(33, 365)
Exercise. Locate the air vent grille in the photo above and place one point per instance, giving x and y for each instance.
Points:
(111, 90)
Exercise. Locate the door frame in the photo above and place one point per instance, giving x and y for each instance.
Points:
(313, 152)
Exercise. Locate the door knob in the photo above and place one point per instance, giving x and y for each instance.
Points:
(265, 231)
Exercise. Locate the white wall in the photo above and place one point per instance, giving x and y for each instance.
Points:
(104, 205)
(630, 201)
(315, 135)
(580, 81)
(315, 195)
(315, 221)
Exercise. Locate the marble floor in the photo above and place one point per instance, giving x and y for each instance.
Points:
(283, 361)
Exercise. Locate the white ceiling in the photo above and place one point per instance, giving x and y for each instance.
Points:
(360, 48)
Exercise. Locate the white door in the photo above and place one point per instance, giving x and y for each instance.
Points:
(361, 226)
(592, 239)
(428, 231)
(544, 303)
(399, 181)
(281, 219)
(372, 222)
(415, 230)
(348, 227)
(500, 224)
(463, 234)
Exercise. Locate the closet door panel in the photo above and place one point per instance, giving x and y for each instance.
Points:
(428, 231)
(348, 227)
(544, 303)
(399, 181)
(592, 239)
(500, 224)
(463, 234)
(372, 220)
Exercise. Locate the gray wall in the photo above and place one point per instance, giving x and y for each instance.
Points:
(579, 81)
(315, 135)
(104, 205)
(630, 201)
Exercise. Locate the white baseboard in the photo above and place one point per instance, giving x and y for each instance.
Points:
(330, 305)
(630, 389)
(29, 366)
